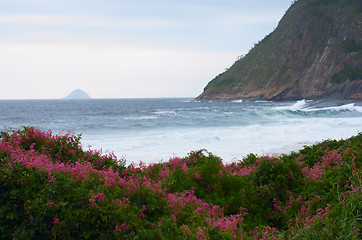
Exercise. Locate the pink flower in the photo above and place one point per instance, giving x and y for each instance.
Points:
(123, 226)
(184, 167)
(55, 221)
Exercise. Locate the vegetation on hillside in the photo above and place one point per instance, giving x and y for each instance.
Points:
(50, 188)
(314, 50)
(347, 73)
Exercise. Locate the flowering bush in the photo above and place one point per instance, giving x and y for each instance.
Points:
(50, 188)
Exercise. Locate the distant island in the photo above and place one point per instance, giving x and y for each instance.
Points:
(78, 94)
(315, 52)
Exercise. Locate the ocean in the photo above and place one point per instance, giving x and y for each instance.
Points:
(155, 130)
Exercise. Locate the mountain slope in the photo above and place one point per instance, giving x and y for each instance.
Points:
(315, 52)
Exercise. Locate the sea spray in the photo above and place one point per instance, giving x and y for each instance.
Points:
(152, 130)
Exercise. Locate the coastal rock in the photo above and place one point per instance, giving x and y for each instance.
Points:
(315, 52)
(78, 94)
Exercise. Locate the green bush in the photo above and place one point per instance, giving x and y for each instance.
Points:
(347, 74)
(50, 188)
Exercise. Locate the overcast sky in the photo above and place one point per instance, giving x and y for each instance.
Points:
(125, 49)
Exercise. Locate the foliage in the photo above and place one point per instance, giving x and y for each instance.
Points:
(50, 188)
(347, 73)
(352, 46)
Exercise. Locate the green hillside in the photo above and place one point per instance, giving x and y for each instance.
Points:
(315, 52)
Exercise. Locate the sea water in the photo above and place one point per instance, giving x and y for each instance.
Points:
(154, 130)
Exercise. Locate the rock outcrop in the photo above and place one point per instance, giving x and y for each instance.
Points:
(78, 94)
(315, 52)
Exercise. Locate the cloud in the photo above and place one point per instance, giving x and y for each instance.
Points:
(52, 71)
(253, 19)
(74, 21)
(214, 25)
(124, 48)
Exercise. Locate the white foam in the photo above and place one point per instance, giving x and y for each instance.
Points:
(296, 106)
(230, 143)
(165, 112)
(348, 107)
(303, 106)
(143, 117)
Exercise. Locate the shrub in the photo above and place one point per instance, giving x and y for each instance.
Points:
(50, 188)
(347, 74)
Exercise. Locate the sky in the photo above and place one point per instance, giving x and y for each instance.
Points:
(125, 49)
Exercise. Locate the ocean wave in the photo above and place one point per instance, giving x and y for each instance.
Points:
(143, 117)
(347, 107)
(299, 105)
(165, 112)
(307, 106)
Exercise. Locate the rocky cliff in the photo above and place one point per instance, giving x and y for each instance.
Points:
(315, 52)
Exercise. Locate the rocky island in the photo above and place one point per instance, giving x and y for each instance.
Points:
(315, 52)
(78, 94)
